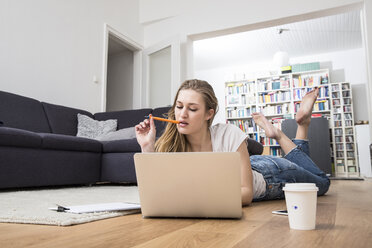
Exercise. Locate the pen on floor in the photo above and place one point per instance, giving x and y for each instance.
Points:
(162, 119)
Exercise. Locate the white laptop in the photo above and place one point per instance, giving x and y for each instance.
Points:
(190, 184)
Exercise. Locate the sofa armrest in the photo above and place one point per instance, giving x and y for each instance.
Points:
(18, 137)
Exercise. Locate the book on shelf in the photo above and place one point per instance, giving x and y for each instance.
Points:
(310, 80)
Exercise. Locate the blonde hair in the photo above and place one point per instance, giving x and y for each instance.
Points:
(171, 140)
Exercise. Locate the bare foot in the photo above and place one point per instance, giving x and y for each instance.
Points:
(303, 116)
(262, 122)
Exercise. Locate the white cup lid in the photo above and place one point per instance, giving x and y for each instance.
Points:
(300, 187)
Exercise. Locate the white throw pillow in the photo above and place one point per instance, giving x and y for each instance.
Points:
(90, 128)
(125, 133)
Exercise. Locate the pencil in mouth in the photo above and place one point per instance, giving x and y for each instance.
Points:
(162, 119)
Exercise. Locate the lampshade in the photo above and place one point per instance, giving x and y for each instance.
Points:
(281, 59)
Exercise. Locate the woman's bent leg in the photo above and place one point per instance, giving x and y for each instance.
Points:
(279, 171)
(300, 156)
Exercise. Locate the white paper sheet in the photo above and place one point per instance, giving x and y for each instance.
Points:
(102, 207)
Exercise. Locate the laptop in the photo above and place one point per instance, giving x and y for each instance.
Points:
(189, 184)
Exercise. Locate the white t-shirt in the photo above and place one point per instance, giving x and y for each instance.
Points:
(228, 138)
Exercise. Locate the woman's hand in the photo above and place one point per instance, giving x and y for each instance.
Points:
(145, 134)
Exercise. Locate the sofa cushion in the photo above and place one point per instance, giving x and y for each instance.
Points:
(126, 118)
(127, 145)
(63, 120)
(18, 137)
(125, 133)
(69, 143)
(160, 125)
(92, 129)
(22, 112)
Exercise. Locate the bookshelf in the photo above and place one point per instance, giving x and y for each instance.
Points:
(277, 97)
(344, 152)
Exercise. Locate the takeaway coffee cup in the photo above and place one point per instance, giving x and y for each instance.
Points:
(301, 201)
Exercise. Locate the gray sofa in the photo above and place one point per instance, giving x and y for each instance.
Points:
(39, 146)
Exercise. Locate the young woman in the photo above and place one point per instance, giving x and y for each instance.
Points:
(262, 177)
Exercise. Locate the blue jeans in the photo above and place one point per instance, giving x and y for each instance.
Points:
(295, 167)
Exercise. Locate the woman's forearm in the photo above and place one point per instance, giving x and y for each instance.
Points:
(247, 196)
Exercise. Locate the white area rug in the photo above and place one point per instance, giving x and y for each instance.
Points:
(31, 206)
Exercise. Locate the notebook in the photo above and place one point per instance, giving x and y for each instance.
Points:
(190, 184)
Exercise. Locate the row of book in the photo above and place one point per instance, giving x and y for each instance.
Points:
(310, 80)
(349, 146)
(348, 123)
(240, 88)
(273, 97)
(240, 112)
(322, 105)
(337, 117)
(349, 138)
(275, 151)
(336, 101)
(338, 131)
(348, 116)
(240, 99)
(266, 85)
(268, 141)
(349, 131)
(247, 126)
(299, 93)
(340, 154)
(277, 109)
(336, 87)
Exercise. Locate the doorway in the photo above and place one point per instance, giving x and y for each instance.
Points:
(121, 87)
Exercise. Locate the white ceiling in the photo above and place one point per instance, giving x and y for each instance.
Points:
(322, 35)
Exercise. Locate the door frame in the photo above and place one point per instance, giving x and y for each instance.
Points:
(137, 50)
(175, 44)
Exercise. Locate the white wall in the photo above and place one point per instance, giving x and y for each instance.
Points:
(347, 66)
(120, 81)
(51, 49)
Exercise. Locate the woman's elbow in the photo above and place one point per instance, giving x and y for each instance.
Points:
(247, 196)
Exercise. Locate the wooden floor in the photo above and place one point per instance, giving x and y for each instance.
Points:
(344, 219)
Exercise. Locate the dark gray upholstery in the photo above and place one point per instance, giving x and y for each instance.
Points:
(63, 120)
(127, 145)
(27, 167)
(23, 113)
(18, 137)
(126, 118)
(115, 170)
(70, 143)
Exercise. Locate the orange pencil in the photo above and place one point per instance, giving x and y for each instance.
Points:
(163, 119)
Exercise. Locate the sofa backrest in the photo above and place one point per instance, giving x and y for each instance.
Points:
(63, 120)
(22, 112)
(126, 118)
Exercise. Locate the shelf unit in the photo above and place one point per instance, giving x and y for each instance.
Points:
(344, 148)
(277, 97)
